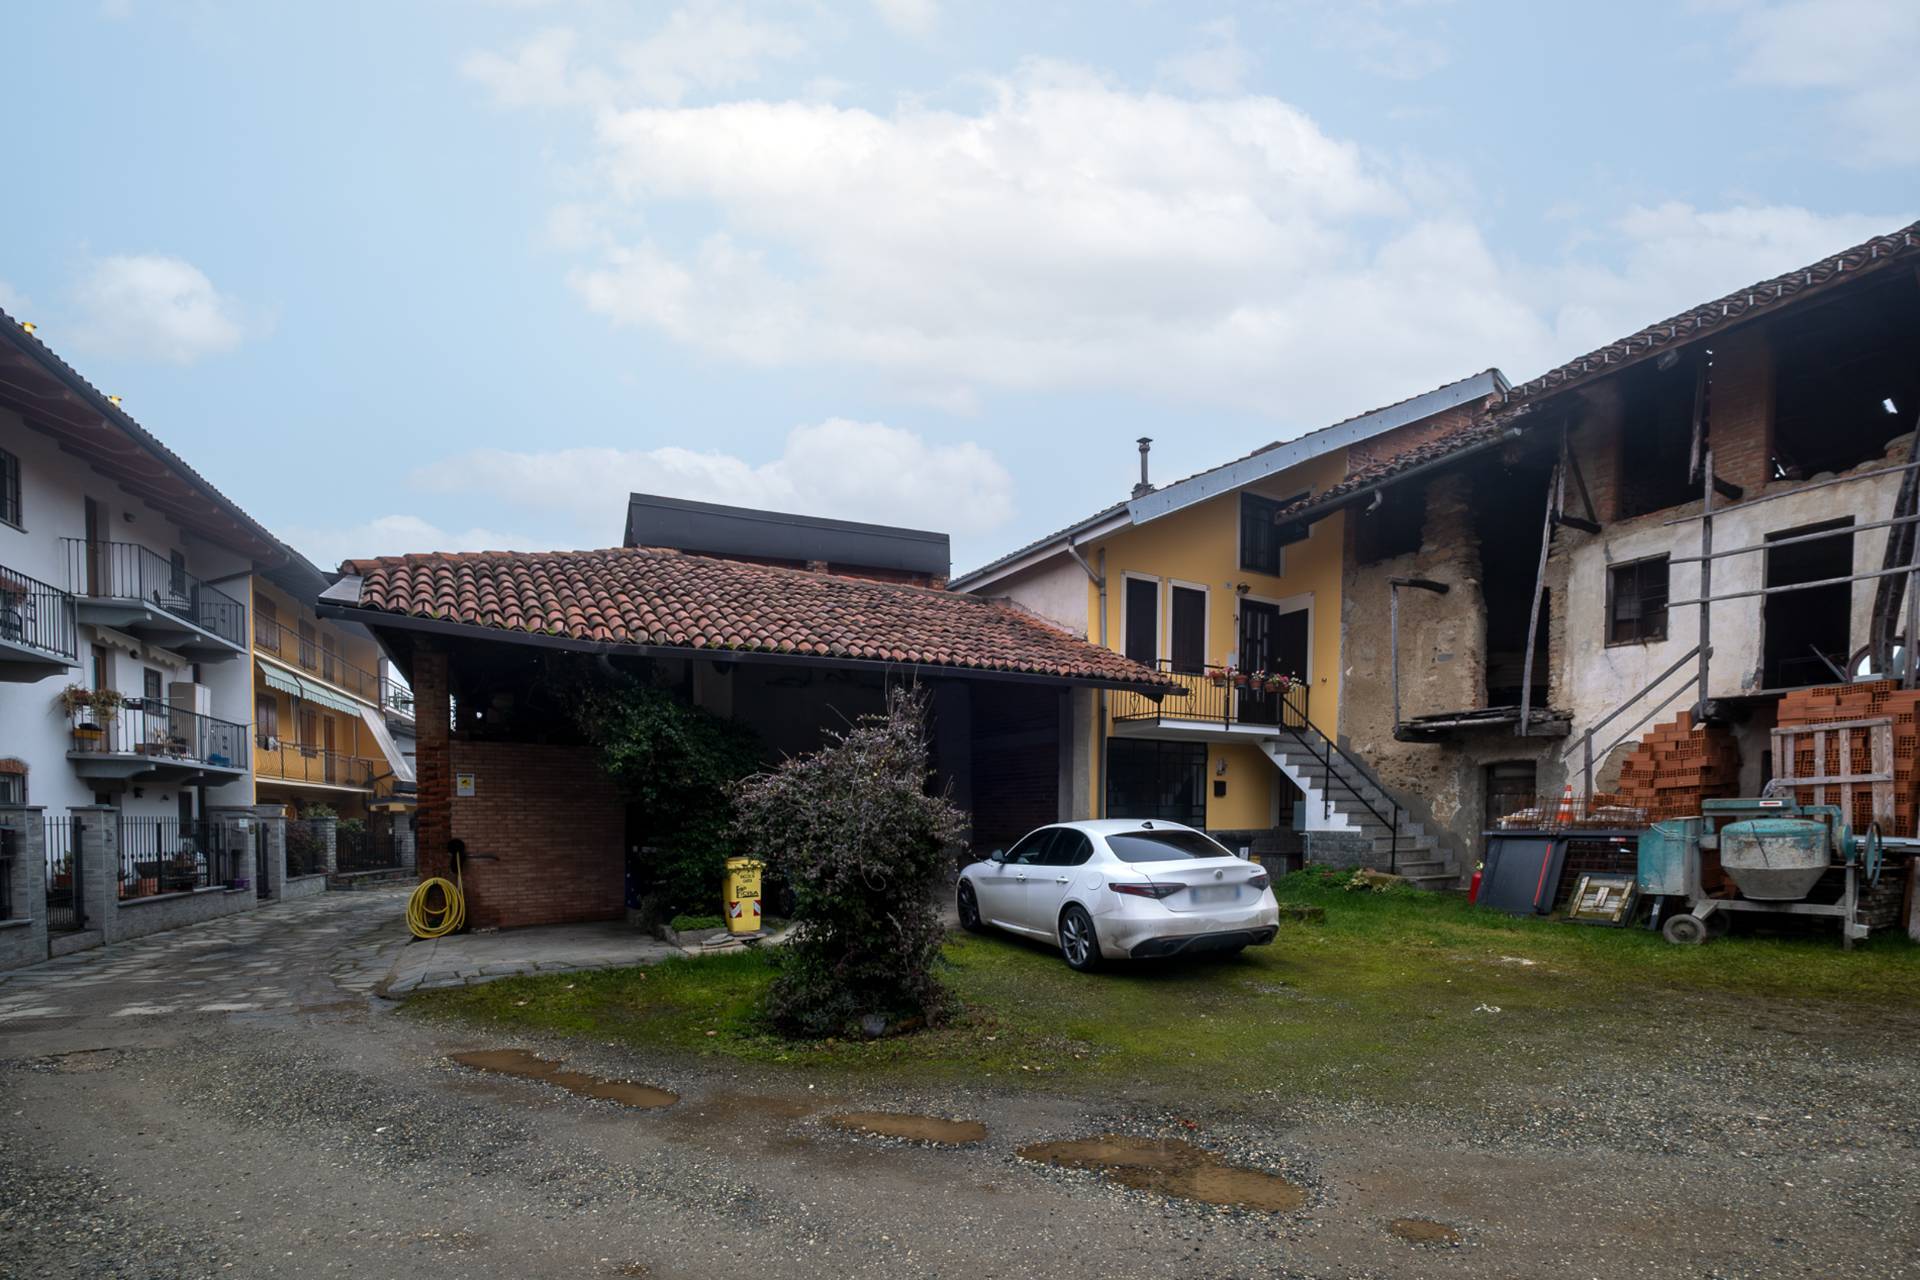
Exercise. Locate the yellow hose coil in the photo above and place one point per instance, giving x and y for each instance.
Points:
(430, 920)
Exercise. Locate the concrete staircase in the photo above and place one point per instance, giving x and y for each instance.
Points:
(1421, 857)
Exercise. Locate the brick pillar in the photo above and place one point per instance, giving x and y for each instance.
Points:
(97, 853)
(433, 763)
(26, 885)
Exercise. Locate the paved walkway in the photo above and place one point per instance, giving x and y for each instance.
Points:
(464, 959)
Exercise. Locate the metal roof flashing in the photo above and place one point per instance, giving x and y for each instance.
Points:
(1236, 475)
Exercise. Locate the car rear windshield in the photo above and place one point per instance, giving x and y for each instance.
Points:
(1163, 846)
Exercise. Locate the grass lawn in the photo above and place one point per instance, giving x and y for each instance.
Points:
(1385, 993)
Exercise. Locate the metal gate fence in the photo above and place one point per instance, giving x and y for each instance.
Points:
(172, 855)
(306, 848)
(364, 846)
(66, 901)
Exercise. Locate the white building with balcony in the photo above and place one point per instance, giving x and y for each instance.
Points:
(125, 589)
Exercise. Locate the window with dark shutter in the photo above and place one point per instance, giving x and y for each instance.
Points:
(1189, 648)
(1262, 537)
(10, 489)
(1637, 601)
(1143, 620)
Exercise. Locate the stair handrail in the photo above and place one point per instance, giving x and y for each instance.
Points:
(1328, 749)
(1584, 743)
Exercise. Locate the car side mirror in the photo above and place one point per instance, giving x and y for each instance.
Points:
(998, 855)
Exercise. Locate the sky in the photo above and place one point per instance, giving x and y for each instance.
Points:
(427, 275)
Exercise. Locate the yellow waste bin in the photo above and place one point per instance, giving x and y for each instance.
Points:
(743, 895)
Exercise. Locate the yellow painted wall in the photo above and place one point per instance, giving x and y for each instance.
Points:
(350, 734)
(1200, 546)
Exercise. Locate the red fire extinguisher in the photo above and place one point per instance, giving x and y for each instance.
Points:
(1473, 888)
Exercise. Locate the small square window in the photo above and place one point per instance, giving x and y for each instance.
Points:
(1637, 601)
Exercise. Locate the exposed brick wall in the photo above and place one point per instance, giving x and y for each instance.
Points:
(1390, 444)
(434, 778)
(1740, 414)
(1839, 704)
(549, 832)
(1016, 761)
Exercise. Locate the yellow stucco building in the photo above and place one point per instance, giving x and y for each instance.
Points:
(1205, 579)
(331, 727)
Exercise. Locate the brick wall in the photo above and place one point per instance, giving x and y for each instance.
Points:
(545, 833)
(1389, 444)
(1676, 766)
(1741, 412)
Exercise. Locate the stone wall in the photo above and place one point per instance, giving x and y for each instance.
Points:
(23, 933)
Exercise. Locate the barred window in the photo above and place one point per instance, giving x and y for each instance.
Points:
(10, 489)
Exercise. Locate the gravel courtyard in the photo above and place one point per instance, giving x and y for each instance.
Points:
(231, 1100)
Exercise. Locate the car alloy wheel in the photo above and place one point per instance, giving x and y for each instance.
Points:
(1079, 946)
(970, 910)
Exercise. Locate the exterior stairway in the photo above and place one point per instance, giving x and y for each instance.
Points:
(1342, 799)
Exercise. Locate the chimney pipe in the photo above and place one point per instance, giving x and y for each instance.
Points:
(1144, 488)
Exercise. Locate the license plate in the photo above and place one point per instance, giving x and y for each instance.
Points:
(1214, 893)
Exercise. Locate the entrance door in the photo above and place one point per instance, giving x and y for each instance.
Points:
(1002, 886)
(1271, 643)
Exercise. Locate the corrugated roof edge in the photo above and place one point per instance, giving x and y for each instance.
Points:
(1497, 382)
(119, 417)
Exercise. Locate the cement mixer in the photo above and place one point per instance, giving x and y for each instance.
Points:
(1769, 855)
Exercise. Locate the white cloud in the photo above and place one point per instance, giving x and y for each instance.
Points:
(154, 307)
(1066, 233)
(1862, 52)
(839, 468)
(704, 47)
(1675, 256)
(397, 535)
(909, 17)
(1217, 64)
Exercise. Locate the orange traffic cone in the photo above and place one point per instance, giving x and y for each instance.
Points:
(1565, 816)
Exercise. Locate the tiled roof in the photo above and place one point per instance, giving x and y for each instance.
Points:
(658, 597)
(1847, 265)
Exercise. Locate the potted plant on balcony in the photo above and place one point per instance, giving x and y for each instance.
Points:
(1217, 676)
(77, 701)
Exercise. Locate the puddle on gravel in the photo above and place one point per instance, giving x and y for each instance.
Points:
(1172, 1167)
(1423, 1231)
(896, 1124)
(525, 1066)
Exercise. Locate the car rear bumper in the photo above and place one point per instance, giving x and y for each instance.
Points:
(1193, 943)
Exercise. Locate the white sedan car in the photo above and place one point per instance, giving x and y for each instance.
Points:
(1119, 889)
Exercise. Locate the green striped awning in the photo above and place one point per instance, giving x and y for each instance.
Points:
(310, 690)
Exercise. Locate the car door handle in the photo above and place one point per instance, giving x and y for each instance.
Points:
(1021, 875)
(1063, 879)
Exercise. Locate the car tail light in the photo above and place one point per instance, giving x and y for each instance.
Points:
(1260, 881)
(1146, 890)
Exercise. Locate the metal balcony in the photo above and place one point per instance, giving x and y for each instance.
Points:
(310, 654)
(156, 742)
(37, 632)
(291, 762)
(138, 590)
(1212, 700)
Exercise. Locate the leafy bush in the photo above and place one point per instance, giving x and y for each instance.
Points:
(697, 924)
(679, 765)
(863, 846)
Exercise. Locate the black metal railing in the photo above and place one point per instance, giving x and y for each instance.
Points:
(306, 847)
(37, 615)
(66, 898)
(309, 654)
(294, 762)
(1215, 695)
(359, 846)
(396, 697)
(128, 571)
(1324, 751)
(173, 855)
(166, 735)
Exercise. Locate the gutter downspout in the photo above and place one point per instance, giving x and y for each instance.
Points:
(1098, 577)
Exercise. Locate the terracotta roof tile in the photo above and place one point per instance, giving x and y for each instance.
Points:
(653, 596)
